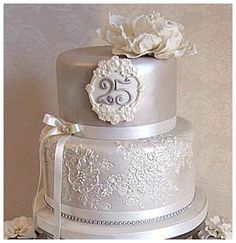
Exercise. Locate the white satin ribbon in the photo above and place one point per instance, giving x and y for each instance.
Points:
(58, 165)
(120, 133)
(59, 127)
(109, 133)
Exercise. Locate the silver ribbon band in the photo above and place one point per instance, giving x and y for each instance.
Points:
(109, 133)
(124, 216)
(120, 133)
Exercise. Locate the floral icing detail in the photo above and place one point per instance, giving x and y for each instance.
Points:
(151, 174)
(125, 67)
(115, 90)
(148, 34)
(20, 228)
(151, 168)
(84, 168)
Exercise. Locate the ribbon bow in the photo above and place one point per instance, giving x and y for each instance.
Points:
(60, 127)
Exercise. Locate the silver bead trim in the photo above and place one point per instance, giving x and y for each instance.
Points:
(119, 223)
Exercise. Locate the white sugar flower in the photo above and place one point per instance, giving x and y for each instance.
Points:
(21, 228)
(216, 227)
(148, 34)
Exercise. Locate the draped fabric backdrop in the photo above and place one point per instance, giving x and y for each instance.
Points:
(35, 34)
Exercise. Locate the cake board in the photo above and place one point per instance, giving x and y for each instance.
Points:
(168, 228)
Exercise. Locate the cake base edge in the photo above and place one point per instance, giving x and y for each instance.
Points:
(166, 229)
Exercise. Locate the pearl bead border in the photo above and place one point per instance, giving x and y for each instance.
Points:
(119, 223)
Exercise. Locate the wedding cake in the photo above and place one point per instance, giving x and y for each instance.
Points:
(118, 162)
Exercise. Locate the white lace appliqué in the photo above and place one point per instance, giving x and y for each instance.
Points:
(152, 172)
(153, 165)
(84, 168)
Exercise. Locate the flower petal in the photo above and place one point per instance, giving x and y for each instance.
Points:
(146, 42)
(28, 234)
(116, 20)
(9, 232)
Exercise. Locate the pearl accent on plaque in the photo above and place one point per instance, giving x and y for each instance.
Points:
(114, 91)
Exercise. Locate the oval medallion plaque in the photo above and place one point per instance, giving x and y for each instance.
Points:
(114, 91)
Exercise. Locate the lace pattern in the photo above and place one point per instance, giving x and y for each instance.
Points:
(152, 166)
(84, 169)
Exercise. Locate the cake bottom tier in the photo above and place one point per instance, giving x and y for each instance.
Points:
(123, 181)
(169, 227)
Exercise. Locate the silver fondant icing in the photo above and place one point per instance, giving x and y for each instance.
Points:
(75, 70)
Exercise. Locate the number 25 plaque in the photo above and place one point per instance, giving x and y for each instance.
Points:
(114, 91)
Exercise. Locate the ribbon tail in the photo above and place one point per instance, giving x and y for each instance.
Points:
(41, 156)
(58, 170)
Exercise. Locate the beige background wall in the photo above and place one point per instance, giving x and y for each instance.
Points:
(36, 34)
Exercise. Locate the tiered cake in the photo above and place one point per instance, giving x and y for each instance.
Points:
(118, 163)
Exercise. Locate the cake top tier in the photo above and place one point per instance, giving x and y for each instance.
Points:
(76, 68)
(136, 87)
